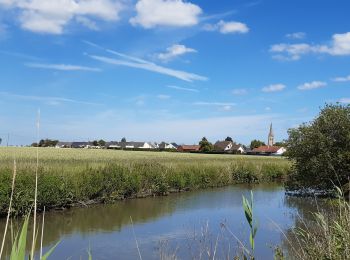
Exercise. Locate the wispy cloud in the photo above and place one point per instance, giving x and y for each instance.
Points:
(239, 91)
(174, 51)
(312, 85)
(186, 76)
(163, 97)
(201, 103)
(183, 89)
(342, 79)
(274, 88)
(46, 99)
(339, 46)
(135, 62)
(64, 67)
(19, 55)
(296, 35)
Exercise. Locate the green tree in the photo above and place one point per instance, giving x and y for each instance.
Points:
(320, 150)
(123, 140)
(281, 144)
(205, 145)
(256, 143)
(101, 142)
(95, 143)
(229, 139)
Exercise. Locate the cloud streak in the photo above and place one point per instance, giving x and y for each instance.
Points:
(183, 89)
(46, 99)
(149, 66)
(63, 67)
(274, 88)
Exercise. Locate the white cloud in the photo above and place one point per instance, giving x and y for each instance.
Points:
(232, 27)
(239, 91)
(274, 88)
(87, 23)
(227, 27)
(47, 100)
(342, 79)
(51, 16)
(339, 46)
(174, 51)
(296, 35)
(344, 100)
(184, 89)
(145, 65)
(64, 67)
(163, 97)
(175, 13)
(312, 85)
(200, 103)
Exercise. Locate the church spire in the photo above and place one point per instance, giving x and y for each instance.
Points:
(270, 140)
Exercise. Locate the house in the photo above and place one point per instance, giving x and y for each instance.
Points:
(228, 147)
(175, 145)
(81, 144)
(188, 148)
(269, 150)
(64, 145)
(165, 146)
(130, 145)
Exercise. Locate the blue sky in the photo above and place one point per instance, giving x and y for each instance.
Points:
(157, 70)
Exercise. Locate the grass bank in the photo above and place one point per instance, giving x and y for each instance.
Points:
(71, 176)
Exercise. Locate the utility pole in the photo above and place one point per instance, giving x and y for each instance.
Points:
(8, 139)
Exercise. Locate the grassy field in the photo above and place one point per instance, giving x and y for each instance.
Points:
(71, 176)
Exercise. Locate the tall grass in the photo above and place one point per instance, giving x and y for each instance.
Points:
(327, 236)
(78, 176)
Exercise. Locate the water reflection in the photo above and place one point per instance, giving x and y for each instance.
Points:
(106, 228)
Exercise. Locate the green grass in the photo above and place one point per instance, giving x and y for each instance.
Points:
(68, 176)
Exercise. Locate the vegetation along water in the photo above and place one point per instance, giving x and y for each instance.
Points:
(81, 176)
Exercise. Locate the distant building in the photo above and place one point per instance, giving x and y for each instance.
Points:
(271, 137)
(228, 147)
(188, 148)
(166, 146)
(64, 145)
(130, 145)
(269, 150)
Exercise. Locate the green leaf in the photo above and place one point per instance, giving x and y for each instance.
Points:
(50, 251)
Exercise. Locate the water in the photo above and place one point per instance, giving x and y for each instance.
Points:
(168, 224)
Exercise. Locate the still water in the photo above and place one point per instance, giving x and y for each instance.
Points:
(184, 223)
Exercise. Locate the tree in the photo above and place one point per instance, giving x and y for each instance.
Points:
(229, 139)
(95, 143)
(320, 150)
(45, 143)
(123, 140)
(0, 140)
(256, 143)
(101, 142)
(205, 145)
(280, 144)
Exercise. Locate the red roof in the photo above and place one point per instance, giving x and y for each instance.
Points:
(189, 147)
(267, 149)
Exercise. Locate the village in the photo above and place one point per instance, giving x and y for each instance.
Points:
(227, 146)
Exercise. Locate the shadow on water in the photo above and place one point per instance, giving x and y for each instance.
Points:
(107, 229)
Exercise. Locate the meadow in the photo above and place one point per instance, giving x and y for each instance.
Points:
(69, 177)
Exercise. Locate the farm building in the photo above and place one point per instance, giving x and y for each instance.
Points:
(188, 148)
(269, 150)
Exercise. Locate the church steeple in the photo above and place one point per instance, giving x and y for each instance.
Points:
(271, 136)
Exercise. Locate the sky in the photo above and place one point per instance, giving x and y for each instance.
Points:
(169, 70)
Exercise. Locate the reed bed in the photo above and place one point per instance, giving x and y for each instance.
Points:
(69, 177)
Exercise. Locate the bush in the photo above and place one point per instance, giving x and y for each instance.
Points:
(320, 150)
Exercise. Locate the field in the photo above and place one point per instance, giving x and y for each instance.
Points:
(80, 176)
